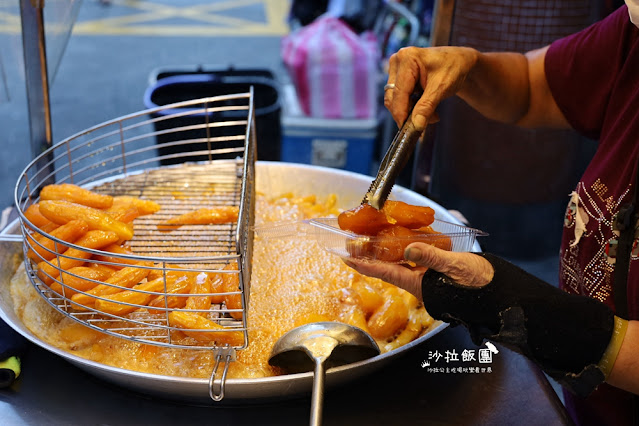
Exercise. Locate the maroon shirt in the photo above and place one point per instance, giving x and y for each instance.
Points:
(594, 78)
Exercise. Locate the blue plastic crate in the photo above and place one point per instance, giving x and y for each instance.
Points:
(339, 143)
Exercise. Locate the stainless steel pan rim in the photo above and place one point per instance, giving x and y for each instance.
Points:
(196, 390)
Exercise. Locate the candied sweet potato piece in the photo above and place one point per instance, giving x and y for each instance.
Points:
(78, 335)
(80, 278)
(50, 270)
(364, 219)
(127, 301)
(231, 283)
(355, 316)
(124, 278)
(124, 202)
(76, 194)
(370, 299)
(126, 208)
(125, 215)
(409, 216)
(45, 248)
(393, 227)
(204, 330)
(389, 244)
(435, 238)
(106, 269)
(200, 300)
(217, 286)
(61, 212)
(115, 261)
(389, 319)
(33, 215)
(175, 285)
(213, 216)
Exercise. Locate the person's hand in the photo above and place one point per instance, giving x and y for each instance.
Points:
(439, 71)
(466, 269)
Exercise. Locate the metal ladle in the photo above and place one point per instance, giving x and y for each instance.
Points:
(319, 346)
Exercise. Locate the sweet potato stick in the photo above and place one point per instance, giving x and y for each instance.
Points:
(81, 278)
(117, 262)
(180, 285)
(35, 236)
(200, 301)
(171, 270)
(76, 194)
(48, 270)
(32, 213)
(208, 331)
(418, 321)
(214, 216)
(117, 303)
(44, 248)
(217, 286)
(125, 215)
(124, 278)
(409, 216)
(61, 212)
(48, 228)
(158, 272)
(231, 283)
(105, 269)
(436, 239)
(144, 207)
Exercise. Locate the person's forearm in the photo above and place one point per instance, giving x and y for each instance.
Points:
(505, 86)
(512, 88)
(498, 86)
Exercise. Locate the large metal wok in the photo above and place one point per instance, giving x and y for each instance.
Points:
(271, 178)
(124, 150)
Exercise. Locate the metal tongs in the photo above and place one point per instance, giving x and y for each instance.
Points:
(392, 164)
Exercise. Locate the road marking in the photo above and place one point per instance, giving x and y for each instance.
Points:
(209, 20)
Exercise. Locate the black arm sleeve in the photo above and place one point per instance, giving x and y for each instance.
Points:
(566, 335)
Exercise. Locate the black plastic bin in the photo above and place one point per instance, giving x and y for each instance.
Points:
(217, 71)
(171, 87)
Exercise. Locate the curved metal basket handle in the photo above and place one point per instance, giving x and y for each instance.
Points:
(229, 355)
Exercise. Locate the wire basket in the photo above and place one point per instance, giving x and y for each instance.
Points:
(120, 158)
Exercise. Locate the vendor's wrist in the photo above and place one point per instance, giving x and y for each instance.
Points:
(609, 356)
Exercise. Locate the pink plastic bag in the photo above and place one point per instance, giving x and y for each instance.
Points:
(333, 69)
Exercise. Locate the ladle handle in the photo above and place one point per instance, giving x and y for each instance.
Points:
(317, 399)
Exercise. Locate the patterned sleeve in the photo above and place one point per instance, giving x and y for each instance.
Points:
(581, 70)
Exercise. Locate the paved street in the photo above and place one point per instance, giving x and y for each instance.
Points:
(115, 46)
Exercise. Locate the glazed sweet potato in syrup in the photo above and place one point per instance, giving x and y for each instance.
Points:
(364, 220)
(367, 220)
(409, 216)
(394, 227)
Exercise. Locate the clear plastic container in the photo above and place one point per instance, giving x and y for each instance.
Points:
(348, 245)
